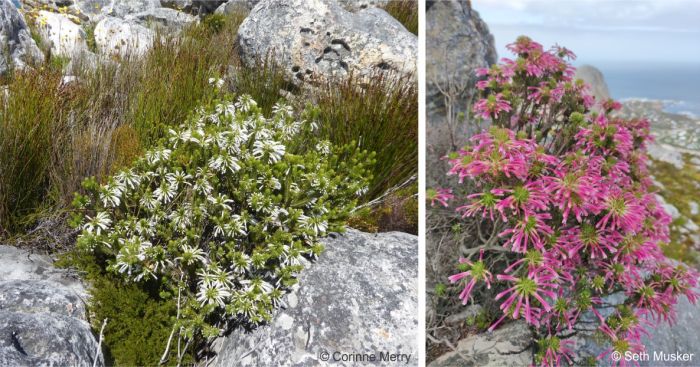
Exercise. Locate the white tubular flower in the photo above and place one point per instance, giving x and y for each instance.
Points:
(158, 155)
(245, 103)
(361, 191)
(240, 263)
(212, 293)
(274, 150)
(177, 137)
(271, 182)
(224, 162)
(148, 201)
(283, 109)
(165, 192)
(316, 224)
(289, 130)
(110, 195)
(128, 179)
(205, 277)
(202, 186)
(191, 255)
(229, 109)
(97, 224)
(221, 201)
(216, 82)
(178, 178)
(236, 226)
(181, 217)
(131, 254)
(257, 285)
(324, 147)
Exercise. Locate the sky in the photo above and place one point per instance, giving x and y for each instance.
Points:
(600, 31)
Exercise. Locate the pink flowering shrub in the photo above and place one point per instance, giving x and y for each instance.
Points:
(564, 188)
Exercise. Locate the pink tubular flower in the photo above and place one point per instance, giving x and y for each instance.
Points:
(575, 192)
(623, 212)
(536, 285)
(484, 203)
(441, 196)
(553, 349)
(566, 194)
(492, 106)
(476, 271)
(530, 230)
(529, 197)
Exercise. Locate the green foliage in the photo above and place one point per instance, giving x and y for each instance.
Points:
(138, 322)
(220, 214)
(214, 22)
(406, 12)
(27, 121)
(680, 187)
(382, 114)
(68, 129)
(397, 212)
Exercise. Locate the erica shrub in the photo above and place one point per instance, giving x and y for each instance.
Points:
(560, 192)
(220, 215)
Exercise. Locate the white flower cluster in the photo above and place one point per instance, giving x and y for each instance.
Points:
(230, 205)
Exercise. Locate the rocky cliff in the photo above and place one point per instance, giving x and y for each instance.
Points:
(458, 42)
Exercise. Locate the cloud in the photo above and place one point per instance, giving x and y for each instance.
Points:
(651, 30)
(673, 15)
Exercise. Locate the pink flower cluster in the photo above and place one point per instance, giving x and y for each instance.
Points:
(567, 191)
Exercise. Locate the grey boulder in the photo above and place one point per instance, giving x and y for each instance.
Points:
(355, 5)
(61, 34)
(43, 319)
(232, 6)
(507, 346)
(360, 296)
(167, 18)
(115, 36)
(317, 40)
(16, 43)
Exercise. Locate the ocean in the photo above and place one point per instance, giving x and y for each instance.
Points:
(678, 84)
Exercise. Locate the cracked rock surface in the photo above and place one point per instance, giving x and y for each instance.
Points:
(507, 346)
(360, 296)
(43, 320)
(316, 40)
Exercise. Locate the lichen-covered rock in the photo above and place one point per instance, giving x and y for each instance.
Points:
(43, 320)
(122, 8)
(236, 5)
(114, 36)
(63, 35)
(318, 39)
(355, 5)
(170, 19)
(93, 9)
(360, 296)
(16, 43)
(507, 346)
(457, 43)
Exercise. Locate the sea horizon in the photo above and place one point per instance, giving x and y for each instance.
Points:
(674, 83)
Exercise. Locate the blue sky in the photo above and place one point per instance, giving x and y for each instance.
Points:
(600, 31)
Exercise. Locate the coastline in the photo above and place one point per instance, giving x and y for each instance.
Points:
(677, 129)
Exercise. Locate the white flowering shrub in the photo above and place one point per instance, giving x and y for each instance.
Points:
(221, 213)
